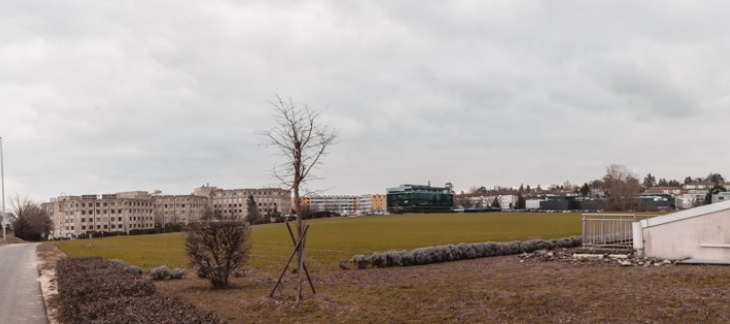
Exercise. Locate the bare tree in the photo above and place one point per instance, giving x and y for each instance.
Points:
(30, 221)
(621, 185)
(301, 142)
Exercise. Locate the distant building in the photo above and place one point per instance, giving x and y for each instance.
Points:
(419, 199)
(338, 205)
(371, 204)
(126, 211)
(121, 212)
(233, 203)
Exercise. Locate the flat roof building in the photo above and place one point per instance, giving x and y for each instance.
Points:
(419, 199)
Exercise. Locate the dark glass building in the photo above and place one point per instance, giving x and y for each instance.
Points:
(419, 199)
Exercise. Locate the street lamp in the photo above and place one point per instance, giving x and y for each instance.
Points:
(2, 179)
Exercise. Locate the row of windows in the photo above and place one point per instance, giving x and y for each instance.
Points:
(105, 204)
(111, 211)
(112, 226)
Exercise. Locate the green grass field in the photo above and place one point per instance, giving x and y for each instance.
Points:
(334, 239)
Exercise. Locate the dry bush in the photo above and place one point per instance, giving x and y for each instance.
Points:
(94, 290)
(463, 251)
(160, 273)
(148, 309)
(217, 249)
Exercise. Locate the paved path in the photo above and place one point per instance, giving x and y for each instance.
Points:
(20, 289)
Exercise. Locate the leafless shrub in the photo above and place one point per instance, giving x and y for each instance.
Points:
(160, 273)
(178, 273)
(216, 250)
(134, 270)
(445, 253)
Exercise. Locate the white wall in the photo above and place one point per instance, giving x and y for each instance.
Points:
(704, 233)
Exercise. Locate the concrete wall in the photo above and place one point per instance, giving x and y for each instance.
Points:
(700, 236)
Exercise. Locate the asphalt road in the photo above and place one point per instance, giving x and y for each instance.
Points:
(20, 289)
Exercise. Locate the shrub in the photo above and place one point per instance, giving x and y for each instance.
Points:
(134, 270)
(94, 290)
(178, 273)
(218, 249)
(160, 273)
(444, 253)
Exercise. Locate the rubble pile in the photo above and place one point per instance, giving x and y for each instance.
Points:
(574, 256)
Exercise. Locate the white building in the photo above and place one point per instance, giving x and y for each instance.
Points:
(342, 205)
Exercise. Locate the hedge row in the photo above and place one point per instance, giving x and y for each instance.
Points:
(451, 252)
(96, 290)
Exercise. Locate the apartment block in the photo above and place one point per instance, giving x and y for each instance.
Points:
(120, 212)
(125, 211)
(233, 203)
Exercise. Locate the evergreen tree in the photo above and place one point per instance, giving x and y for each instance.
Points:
(495, 203)
(649, 181)
(585, 190)
(253, 210)
(521, 203)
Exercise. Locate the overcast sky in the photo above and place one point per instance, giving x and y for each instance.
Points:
(109, 96)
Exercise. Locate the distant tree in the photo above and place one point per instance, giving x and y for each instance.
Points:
(521, 189)
(521, 203)
(527, 189)
(217, 249)
(663, 182)
(596, 184)
(253, 210)
(449, 186)
(649, 181)
(538, 189)
(29, 220)
(585, 190)
(495, 202)
(567, 186)
(687, 180)
(674, 183)
(208, 213)
(714, 190)
(715, 178)
(622, 186)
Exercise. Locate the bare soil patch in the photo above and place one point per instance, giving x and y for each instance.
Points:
(498, 289)
(48, 255)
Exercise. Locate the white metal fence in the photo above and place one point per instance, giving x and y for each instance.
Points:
(613, 230)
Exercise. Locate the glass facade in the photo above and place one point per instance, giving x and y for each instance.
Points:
(419, 199)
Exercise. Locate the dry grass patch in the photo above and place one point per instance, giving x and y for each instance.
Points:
(496, 289)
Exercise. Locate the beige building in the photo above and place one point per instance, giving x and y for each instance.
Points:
(120, 212)
(233, 203)
(126, 211)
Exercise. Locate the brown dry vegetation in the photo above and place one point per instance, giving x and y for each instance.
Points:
(499, 289)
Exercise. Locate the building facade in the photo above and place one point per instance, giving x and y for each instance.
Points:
(234, 203)
(419, 199)
(126, 211)
(120, 212)
(339, 205)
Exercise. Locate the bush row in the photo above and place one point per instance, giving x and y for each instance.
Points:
(96, 290)
(168, 229)
(451, 252)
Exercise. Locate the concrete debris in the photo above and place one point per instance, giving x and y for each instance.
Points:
(580, 257)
